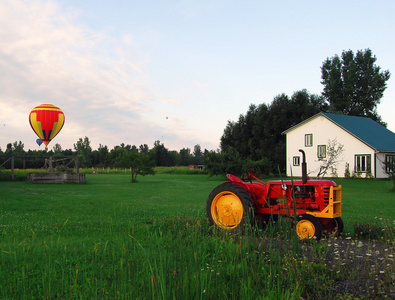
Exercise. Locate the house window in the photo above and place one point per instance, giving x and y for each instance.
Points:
(308, 140)
(390, 163)
(362, 163)
(321, 151)
(296, 161)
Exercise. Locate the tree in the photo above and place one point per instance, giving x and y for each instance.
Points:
(16, 149)
(238, 135)
(228, 161)
(112, 157)
(185, 154)
(329, 161)
(57, 148)
(231, 162)
(258, 134)
(84, 152)
(354, 84)
(99, 156)
(144, 149)
(283, 113)
(160, 155)
(197, 158)
(139, 163)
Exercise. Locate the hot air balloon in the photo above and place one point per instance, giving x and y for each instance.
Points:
(46, 121)
(39, 142)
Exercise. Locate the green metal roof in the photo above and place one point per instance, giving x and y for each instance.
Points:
(365, 129)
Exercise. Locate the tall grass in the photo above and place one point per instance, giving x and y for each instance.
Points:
(110, 239)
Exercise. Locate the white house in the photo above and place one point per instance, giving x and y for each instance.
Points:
(368, 148)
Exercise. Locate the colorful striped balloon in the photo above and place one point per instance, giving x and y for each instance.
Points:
(46, 121)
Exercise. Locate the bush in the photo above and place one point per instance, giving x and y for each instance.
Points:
(379, 230)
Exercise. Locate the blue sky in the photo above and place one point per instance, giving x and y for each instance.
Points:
(135, 72)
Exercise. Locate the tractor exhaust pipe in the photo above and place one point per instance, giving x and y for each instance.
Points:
(304, 167)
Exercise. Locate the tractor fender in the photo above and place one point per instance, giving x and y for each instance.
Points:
(255, 189)
(247, 186)
(234, 178)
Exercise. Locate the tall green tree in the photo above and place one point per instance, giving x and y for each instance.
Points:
(57, 148)
(144, 149)
(16, 149)
(185, 154)
(257, 135)
(84, 152)
(99, 156)
(239, 135)
(354, 84)
(197, 158)
(160, 155)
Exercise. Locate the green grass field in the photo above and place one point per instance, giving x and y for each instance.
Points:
(110, 239)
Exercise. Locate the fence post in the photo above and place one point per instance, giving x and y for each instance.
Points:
(77, 165)
(12, 168)
(50, 165)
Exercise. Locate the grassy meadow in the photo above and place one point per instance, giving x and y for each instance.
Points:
(111, 239)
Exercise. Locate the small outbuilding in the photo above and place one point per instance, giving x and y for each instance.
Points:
(344, 145)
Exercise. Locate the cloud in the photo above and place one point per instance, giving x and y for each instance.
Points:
(100, 82)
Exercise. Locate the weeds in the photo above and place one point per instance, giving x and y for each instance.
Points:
(378, 230)
(181, 257)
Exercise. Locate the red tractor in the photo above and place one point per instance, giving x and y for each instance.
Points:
(316, 204)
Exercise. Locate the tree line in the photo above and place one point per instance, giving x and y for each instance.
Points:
(353, 85)
(140, 160)
(103, 156)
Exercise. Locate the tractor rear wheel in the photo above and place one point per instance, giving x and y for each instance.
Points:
(332, 227)
(230, 207)
(340, 224)
(308, 227)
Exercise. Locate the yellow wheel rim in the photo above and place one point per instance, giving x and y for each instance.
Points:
(227, 210)
(305, 229)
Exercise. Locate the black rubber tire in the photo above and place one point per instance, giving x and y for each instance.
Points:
(332, 227)
(220, 204)
(308, 227)
(340, 225)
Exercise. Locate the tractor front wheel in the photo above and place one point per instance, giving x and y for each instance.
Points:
(308, 227)
(230, 207)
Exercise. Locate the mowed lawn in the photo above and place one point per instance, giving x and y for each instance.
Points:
(105, 202)
(111, 200)
(77, 240)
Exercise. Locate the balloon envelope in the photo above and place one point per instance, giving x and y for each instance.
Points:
(39, 142)
(46, 121)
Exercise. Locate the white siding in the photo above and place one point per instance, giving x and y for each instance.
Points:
(380, 165)
(324, 130)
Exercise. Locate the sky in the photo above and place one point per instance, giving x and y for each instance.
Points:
(135, 72)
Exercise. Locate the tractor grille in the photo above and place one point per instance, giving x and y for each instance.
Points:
(326, 193)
